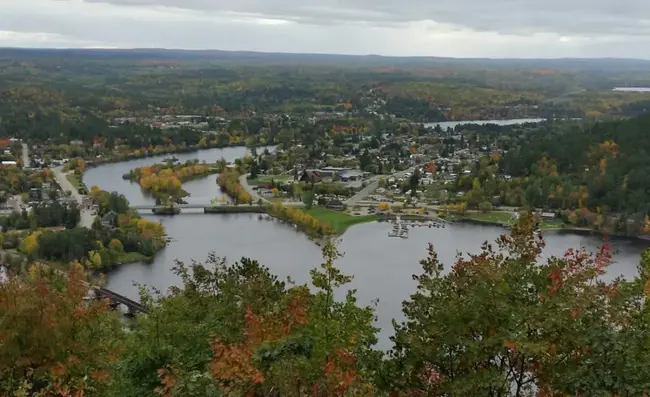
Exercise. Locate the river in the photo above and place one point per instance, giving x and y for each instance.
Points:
(632, 89)
(452, 124)
(382, 267)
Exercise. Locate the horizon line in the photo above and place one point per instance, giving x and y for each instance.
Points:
(207, 50)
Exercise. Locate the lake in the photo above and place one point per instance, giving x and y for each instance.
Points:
(452, 124)
(632, 89)
(382, 267)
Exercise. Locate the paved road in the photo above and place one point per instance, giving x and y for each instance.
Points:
(87, 217)
(372, 186)
(243, 181)
(26, 162)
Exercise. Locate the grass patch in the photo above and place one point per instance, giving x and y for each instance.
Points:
(492, 216)
(505, 218)
(554, 224)
(131, 257)
(266, 179)
(338, 221)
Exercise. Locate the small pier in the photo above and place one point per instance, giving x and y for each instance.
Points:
(401, 227)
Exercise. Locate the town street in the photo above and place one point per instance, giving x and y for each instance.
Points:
(87, 217)
(26, 162)
(372, 186)
(243, 181)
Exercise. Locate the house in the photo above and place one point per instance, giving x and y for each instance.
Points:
(329, 172)
(109, 221)
(351, 175)
(311, 176)
(35, 194)
(547, 215)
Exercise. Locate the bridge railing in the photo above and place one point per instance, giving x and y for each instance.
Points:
(131, 304)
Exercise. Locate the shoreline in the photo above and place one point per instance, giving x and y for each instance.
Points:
(93, 163)
(559, 230)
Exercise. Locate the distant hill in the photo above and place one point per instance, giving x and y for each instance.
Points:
(568, 64)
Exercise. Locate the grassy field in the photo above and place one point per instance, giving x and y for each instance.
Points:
(264, 179)
(131, 257)
(554, 224)
(493, 216)
(339, 221)
(505, 218)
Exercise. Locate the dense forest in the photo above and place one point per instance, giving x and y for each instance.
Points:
(590, 174)
(601, 168)
(75, 92)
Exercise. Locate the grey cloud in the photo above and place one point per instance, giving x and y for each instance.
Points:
(567, 17)
(462, 28)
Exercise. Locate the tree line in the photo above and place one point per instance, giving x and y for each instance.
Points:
(228, 182)
(43, 215)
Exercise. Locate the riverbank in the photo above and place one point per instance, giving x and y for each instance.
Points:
(337, 220)
(506, 220)
(95, 162)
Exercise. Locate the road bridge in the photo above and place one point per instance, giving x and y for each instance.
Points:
(179, 206)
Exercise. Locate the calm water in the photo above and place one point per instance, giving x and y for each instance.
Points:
(632, 89)
(109, 176)
(382, 266)
(452, 124)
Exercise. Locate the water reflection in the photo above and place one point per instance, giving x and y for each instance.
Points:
(382, 266)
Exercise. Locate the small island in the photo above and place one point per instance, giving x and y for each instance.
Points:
(164, 181)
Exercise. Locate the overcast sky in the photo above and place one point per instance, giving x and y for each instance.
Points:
(458, 28)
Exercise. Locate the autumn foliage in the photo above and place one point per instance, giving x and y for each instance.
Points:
(519, 324)
(166, 179)
(228, 181)
(300, 218)
(51, 340)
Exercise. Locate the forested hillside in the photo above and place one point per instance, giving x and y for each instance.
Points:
(603, 168)
(68, 86)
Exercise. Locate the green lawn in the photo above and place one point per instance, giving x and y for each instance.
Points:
(131, 257)
(554, 224)
(264, 179)
(505, 218)
(493, 216)
(339, 221)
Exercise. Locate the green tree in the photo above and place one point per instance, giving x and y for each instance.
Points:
(506, 325)
(414, 182)
(308, 198)
(116, 246)
(485, 206)
(236, 329)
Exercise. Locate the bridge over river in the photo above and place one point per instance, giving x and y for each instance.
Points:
(209, 207)
(179, 206)
(116, 299)
(97, 292)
